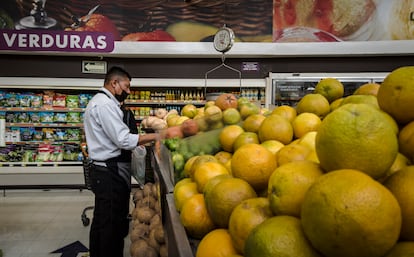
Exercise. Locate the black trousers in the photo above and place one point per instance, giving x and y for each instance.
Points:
(110, 222)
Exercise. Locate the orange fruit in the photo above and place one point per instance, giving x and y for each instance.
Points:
(206, 171)
(217, 243)
(308, 140)
(314, 103)
(304, 123)
(223, 197)
(278, 236)
(292, 153)
(396, 94)
(401, 185)
(223, 156)
(368, 89)
(400, 162)
(245, 138)
(275, 127)
(330, 88)
(401, 249)
(228, 135)
(246, 216)
(356, 136)
(335, 104)
(188, 164)
(231, 116)
(272, 145)
(361, 99)
(285, 111)
(253, 122)
(254, 164)
(288, 185)
(247, 109)
(406, 141)
(200, 160)
(214, 181)
(184, 192)
(195, 218)
(347, 213)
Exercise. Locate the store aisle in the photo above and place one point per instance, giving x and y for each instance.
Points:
(36, 222)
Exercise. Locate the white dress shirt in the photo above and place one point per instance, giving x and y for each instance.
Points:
(106, 133)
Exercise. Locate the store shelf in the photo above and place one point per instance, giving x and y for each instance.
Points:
(45, 125)
(43, 109)
(161, 102)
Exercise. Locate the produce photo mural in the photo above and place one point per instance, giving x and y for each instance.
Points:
(198, 20)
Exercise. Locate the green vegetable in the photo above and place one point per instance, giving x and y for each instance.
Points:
(178, 162)
(172, 143)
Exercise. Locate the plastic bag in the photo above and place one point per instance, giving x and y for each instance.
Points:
(138, 164)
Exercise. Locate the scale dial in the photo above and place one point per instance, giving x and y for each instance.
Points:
(224, 39)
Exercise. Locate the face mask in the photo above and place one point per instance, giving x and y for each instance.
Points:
(122, 96)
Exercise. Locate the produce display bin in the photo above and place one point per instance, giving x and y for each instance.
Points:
(178, 243)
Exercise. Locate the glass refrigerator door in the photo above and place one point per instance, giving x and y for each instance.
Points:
(288, 89)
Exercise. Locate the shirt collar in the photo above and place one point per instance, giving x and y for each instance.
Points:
(111, 96)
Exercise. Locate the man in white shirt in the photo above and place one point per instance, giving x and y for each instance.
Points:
(106, 134)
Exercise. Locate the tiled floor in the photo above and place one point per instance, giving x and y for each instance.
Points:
(37, 222)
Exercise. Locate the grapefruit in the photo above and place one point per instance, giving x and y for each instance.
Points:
(330, 88)
(246, 216)
(275, 127)
(396, 94)
(217, 243)
(228, 136)
(254, 164)
(195, 218)
(288, 185)
(223, 197)
(314, 103)
(401, 185)
(346, 213)
(356, 136)
(279, 236)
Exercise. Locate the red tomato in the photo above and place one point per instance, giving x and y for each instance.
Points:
(156, 35)
(100, 23)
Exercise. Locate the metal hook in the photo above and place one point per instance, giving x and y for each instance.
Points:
(222, 65)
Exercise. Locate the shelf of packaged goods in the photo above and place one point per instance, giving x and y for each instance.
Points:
(45, 125)
(41, 109)
(43, 142)
(163, 102)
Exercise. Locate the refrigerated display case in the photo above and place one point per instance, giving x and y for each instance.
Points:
(289, 88)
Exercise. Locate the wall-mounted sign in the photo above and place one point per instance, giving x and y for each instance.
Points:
(56, 41)
(250, 66)
(98, 67)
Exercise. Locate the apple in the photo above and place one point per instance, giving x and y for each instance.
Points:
(97, 23)
(156, 35)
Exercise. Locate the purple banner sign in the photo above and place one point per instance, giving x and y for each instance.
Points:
(60, 41)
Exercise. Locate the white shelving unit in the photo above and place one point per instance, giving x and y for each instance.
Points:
(67, 173)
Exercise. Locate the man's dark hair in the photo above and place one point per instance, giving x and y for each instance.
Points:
(116, 71)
